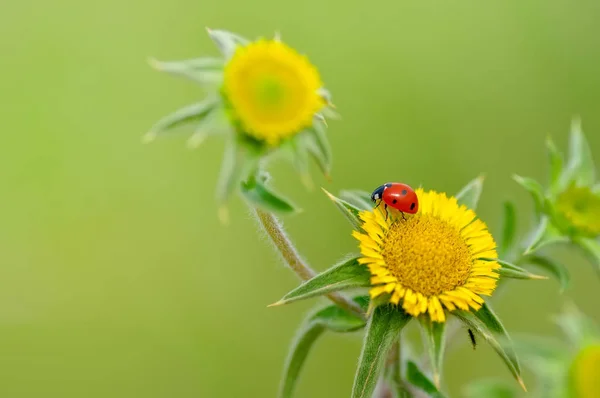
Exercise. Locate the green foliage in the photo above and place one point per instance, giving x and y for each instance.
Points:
(383, 329)
(348, 274)
(580, 168)
(509, 229)
(510, 270)
(591, 249)
(535, 189)
(257, 193)
(434, 339)
(359, 199)
(349, 211)
(330, 318)
(555, 268)
(418, 379)
(469, 195)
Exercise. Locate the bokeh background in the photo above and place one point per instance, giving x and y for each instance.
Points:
(117, 279)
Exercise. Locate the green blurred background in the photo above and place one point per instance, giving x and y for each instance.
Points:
(117, 279)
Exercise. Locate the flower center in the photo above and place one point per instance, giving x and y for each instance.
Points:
(584, 373)
(427, 254)
(581, 207)
(269, 91)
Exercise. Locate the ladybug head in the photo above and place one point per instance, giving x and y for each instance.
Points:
(378, 192)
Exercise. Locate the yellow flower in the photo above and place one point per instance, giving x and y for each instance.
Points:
(585, 371)
(273, 90)
(431, 260)
(581, 207)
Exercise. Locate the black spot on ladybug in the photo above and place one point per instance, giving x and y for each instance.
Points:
(394, 201)
(404, 192)
(412, 205)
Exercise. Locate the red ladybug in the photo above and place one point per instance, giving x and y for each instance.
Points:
(397, 196)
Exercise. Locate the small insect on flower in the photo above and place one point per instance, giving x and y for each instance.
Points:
(398, 196)
(472, 337)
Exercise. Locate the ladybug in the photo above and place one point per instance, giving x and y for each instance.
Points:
(397, 196)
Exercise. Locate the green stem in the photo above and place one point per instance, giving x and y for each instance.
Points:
(285, 247)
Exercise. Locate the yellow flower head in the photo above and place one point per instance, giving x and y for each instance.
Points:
(273, 90)
(584, 373)
(431, 260)
(581, 207)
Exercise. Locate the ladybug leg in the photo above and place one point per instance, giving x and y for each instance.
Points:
(386, 212)
(403, 217)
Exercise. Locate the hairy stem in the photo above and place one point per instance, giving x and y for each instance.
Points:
(284, 245)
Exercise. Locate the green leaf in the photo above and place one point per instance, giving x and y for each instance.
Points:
(579, 329)
(201, 70)
(434, 339)
(580, 168)
(469, 195)
(318, 146)
(189, 114)
(509, 228)
(487, 324)
(382, 330)
(238, 162)
(358, 198)
(556, 167)
(591, 249)
(556, 269)
(489, 389)
(299, 159)
(510, 270)
(348, 274)
(535, 190)
(349, 211)
(257, 193)
(545, 234)
(329, 318)
(226, 42)
(421, 381)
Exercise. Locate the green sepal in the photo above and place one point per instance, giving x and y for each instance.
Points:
(579, 329)
(349, 211)
(383, 329)
(509, 228)
(417, 378)
(257, 193)
(556, 167)
(487, 324)
(205, 70)
(535, 189)
(470, 194)
(358, 198)
(591, 249)
(434, 340)
(545, 234)
(239, 162)
(556, 269)
(580, 168)
(193, 113)
(318, 146)
(226, 42)
(348, 274)
(331, 318)
(298, 156)
(509, 270)
(489, 389)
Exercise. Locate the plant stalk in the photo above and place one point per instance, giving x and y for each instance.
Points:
(285, 247)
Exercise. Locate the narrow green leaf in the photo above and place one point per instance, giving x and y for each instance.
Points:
(469, 195)
(545, 234)
(358, 198)
(348, 274)
(201, 70)
(580, 168)
(556, 269)
(189, 114)
(260, 195)
(382, 330)
(591, 249)
(300, 160)
(509, 229)
(331, 318)
(349, 211)
(299, 351)
(434, 340)
(489, 389)
(421, 381)
(226, 42)
(510, 270)
(535, 190)
(556, 167)
(487, 324)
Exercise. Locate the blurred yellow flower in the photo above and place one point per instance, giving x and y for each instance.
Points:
(585, 372)
(431, 260)
(581, 207)
(272, 89)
